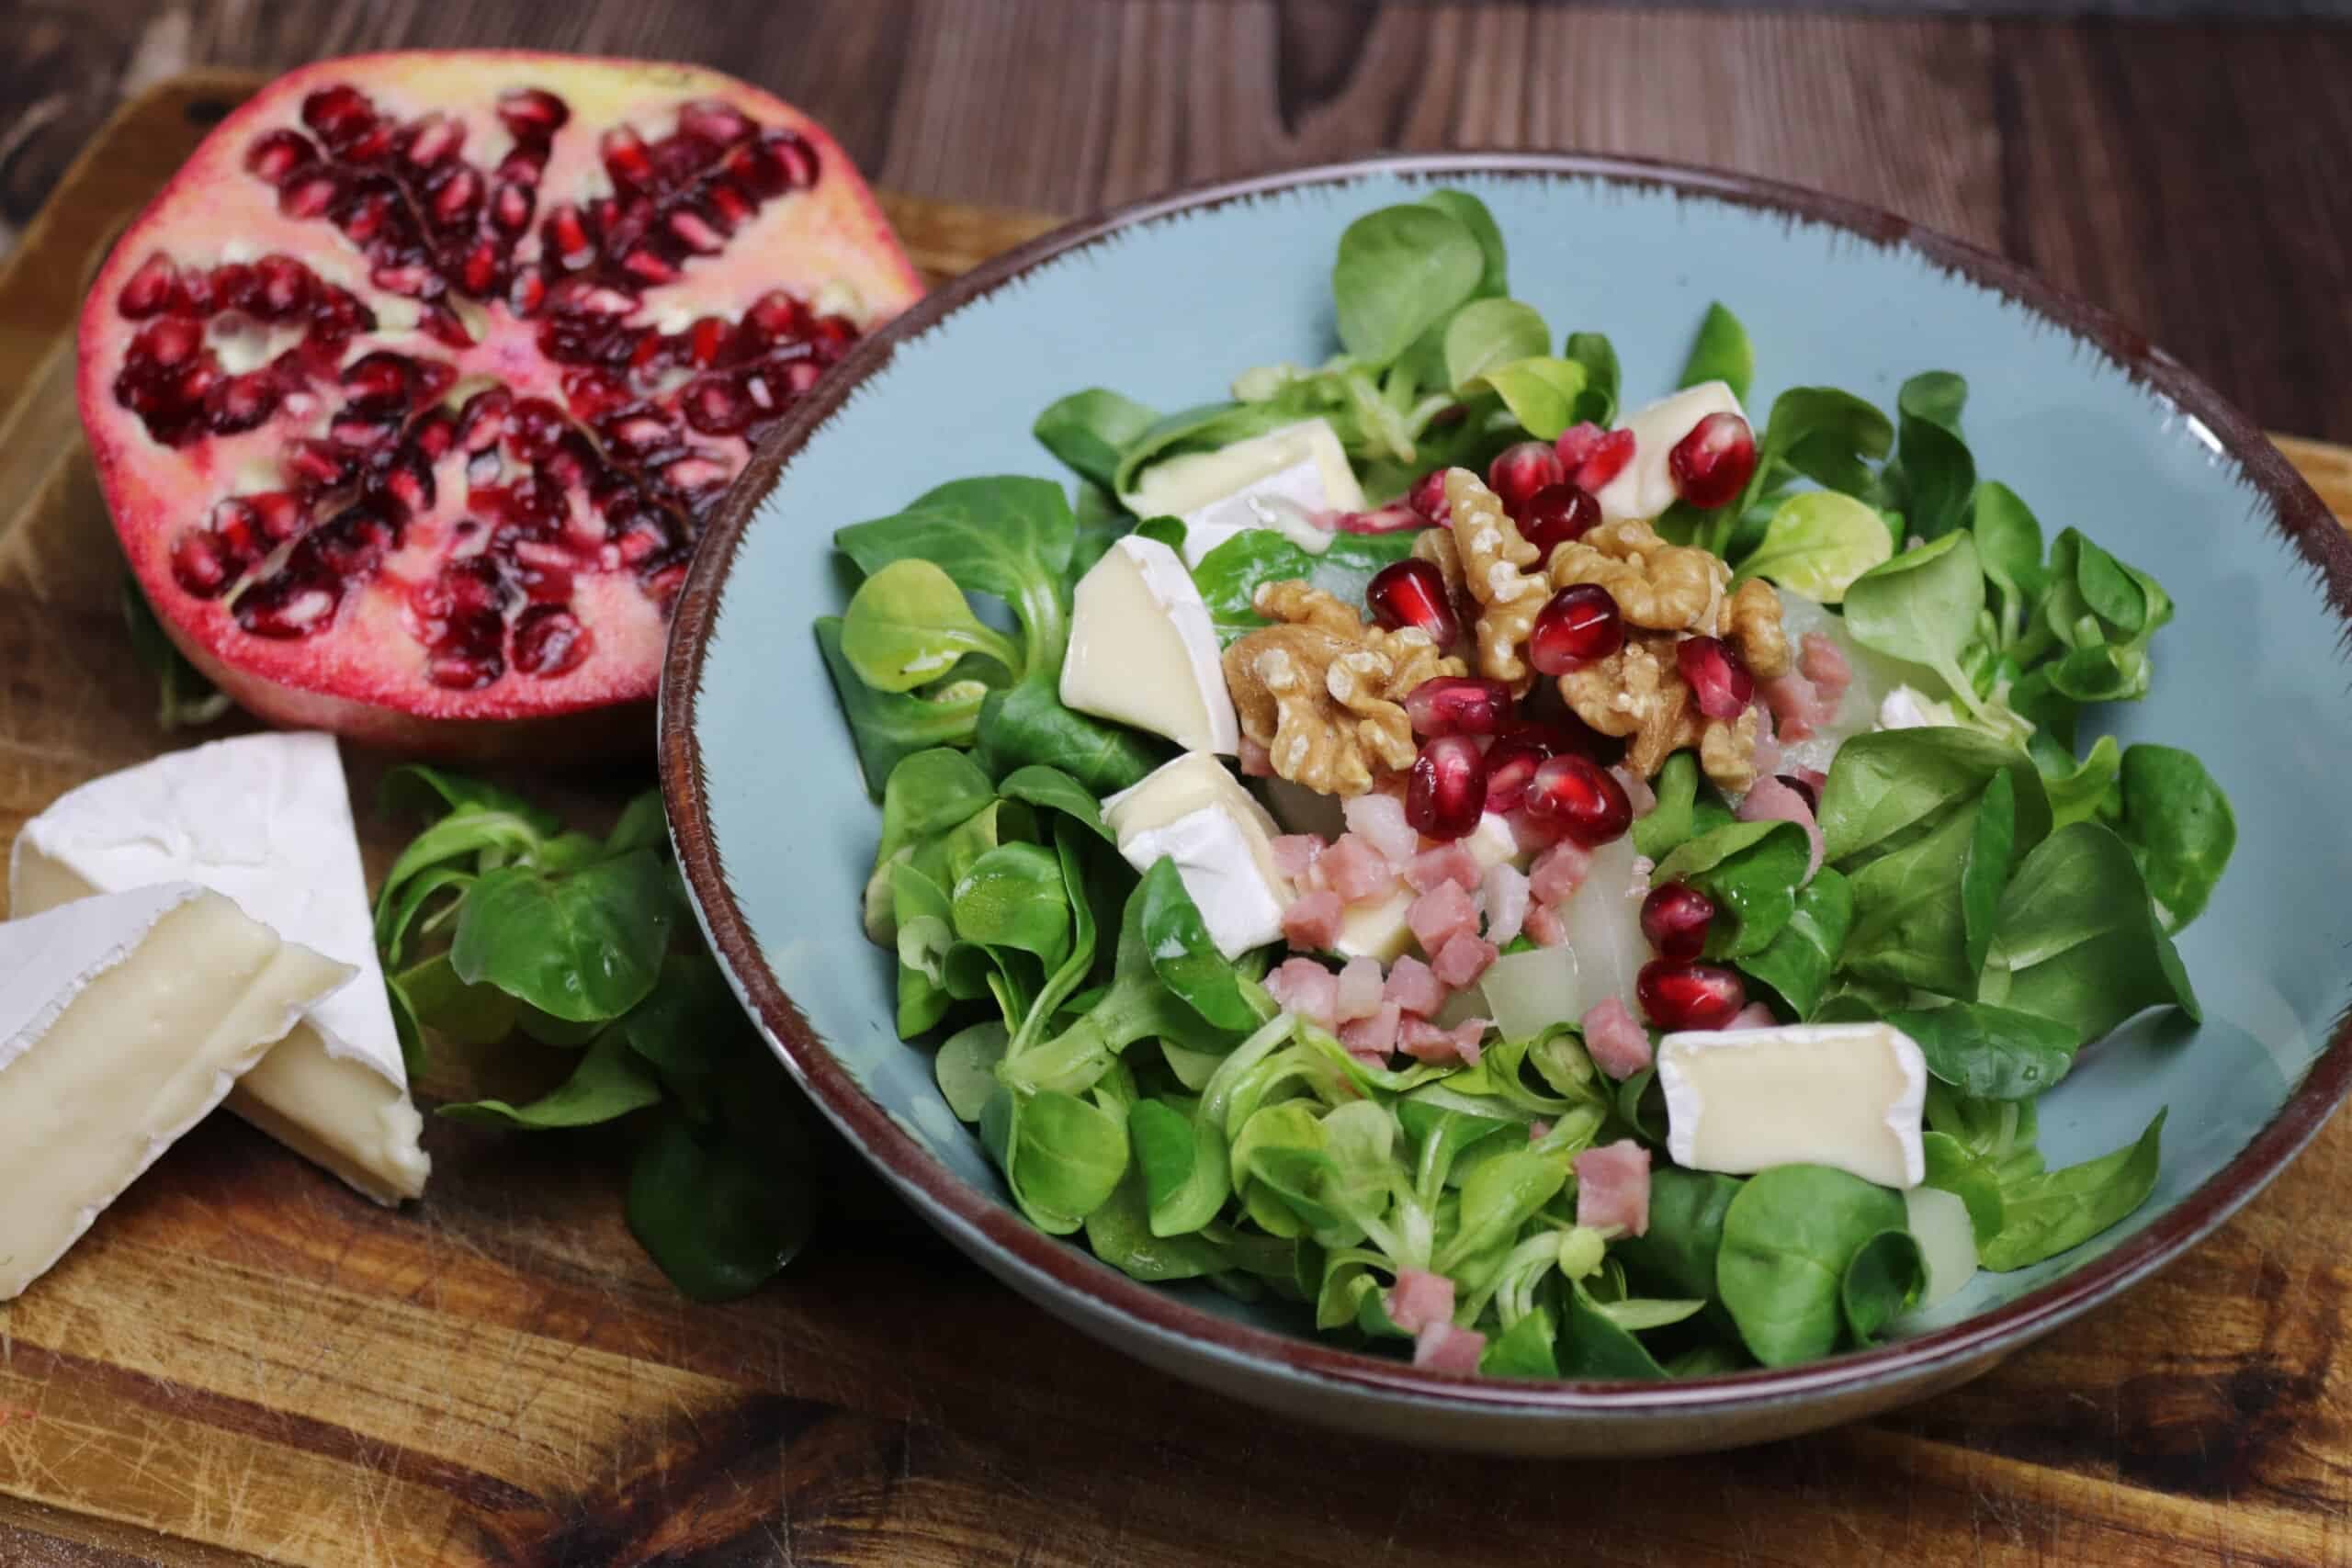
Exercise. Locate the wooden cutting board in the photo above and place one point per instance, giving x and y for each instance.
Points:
(244, 1362)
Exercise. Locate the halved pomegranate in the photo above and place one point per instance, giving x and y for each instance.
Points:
(411, 393)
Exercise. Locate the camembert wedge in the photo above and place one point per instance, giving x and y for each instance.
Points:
(265, 820)
(1847, 1095)
(125, 1019)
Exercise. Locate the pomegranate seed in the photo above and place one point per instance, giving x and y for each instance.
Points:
(694, 231)
(437, 136)
(1557, 513)
(340, 113)
(241, 402)
(624, 155)
(728, 205)
(713, 406)
(203, 563)
(1511, 769)
(1428, 496)
(283, 288)
(457, 197)
(1678, 994)
(1576, 626)
(1582, 798)
(1576, 444)
(149, 290)
(278, 154)
(280, 514)
(1519, 472)
(1411, 592)
(549, 641)
(715, 121)
(309, 194)
(1458, 705)
(1446, 793)
(1713, 464)
(1713, 671)
(531, 114)
(168, 342)
(566, 238)
(1609, 456)
(509, 207)
(1811, 797)
(650, 264)
(1675, 917)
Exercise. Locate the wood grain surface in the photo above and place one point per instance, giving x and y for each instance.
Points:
(244, 1363)
(2188, 175)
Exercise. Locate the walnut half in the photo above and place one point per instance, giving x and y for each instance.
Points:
(1324, 692)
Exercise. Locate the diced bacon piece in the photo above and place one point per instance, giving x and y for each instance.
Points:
(1538, 1130)
(1638, 793)
(1615, 1040)
(1442, 1347)
(1412, 986)
(1528, 834)
(1544, 927)
(1558, 872)
(1461, 960)
(1294, 857)
(1448, 862)
(1360, 989)
(1306, 988)
(1257, 762)
(1425, 1041)
(1357, 872)
(1381, 819)
(1768, 749)
(1769, 800)
(1440, 914)
(1374, 1037)
(1823, 662)
(1755, 1015)
(1504, 898)
(1312, 922)
(1812, 776)
(1421, 1299)
(1613, 1187)
(1799, 708)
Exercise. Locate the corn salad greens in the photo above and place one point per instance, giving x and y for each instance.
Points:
(498, 928)
(1978, 868)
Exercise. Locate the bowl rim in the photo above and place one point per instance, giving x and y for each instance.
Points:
(2295, 510)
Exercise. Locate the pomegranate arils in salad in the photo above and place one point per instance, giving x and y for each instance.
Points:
(1713, 464)
(1519, 472)
(1680, 994)
(1577, 625)
(1717, 675)
(1411, 592)
(1581, 798)
(1458, 705)
(1555, 514)
(1591, 456)
(1511, 769)
(1445, 794)
(1675, 917)
(1428, 496)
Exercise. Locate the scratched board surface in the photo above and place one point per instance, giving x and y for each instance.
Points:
(246, 1363)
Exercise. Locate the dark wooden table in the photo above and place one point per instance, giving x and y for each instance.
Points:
(888, 1404)
(2188, 175)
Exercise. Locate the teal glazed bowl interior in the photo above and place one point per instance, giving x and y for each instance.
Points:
(1166, 301)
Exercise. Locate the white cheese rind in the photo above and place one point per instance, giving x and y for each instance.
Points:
(1275, 480)
(1143, 651)
(127, 1018)
(1847, 1095)
(265, 821)
(1196, 813)
(1644, 488)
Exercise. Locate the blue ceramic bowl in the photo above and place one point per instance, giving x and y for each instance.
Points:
(1167, 300)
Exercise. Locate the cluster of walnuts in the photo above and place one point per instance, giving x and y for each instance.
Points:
(1323, 691)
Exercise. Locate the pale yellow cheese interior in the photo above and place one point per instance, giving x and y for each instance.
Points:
(135, 1059)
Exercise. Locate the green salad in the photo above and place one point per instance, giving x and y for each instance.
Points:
(1563, 889)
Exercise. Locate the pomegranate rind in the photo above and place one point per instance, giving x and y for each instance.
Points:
(364, 677)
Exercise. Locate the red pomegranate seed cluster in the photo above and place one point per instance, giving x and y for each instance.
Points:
(435, 229)
(1677, 990)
